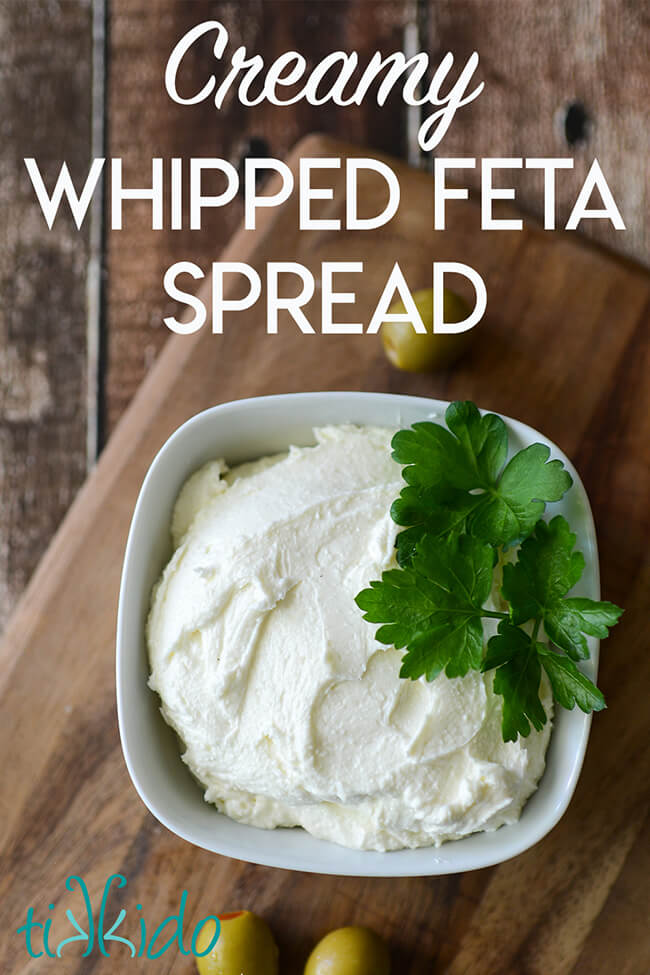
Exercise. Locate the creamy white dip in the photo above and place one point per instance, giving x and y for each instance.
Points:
(290, 712)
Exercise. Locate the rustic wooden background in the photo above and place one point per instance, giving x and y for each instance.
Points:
(58, 403)
(575, 904)
(55, 404)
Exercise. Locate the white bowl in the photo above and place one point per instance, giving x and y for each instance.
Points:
(244, 430)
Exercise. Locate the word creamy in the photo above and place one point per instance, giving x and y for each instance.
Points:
(334, 79)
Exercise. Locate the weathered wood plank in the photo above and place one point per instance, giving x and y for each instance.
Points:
(575, 52)
(586, 387)
(45, 76)
(536, 60)
(145, 122)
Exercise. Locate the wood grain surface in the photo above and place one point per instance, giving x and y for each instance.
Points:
(144, 122)
(44, 113)
(539, 60)
(536, 60)
(565, 348)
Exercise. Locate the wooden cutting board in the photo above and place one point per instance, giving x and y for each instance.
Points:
(564, 347)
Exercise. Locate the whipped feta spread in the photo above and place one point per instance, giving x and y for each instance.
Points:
(289, 711)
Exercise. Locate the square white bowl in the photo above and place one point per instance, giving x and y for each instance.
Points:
(245, 430)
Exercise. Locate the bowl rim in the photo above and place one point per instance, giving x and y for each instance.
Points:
(510, 840)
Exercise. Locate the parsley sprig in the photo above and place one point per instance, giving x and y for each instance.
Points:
(462, 507)
(457, 482)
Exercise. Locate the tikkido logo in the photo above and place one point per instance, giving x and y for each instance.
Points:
(41, 936)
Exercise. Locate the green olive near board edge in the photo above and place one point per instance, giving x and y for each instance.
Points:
(349, 951)
(245, 946)
(413, 351)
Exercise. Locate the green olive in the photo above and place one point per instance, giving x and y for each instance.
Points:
(245, 946)
(349, 951)
(416, 352)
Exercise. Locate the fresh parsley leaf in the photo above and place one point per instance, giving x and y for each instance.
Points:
(546, 568)
(428, 511)
(454, 480)
(517, 677)
(483, 438)
(467, 456)
(434, 606)
(407, 542)
(460, 508)
(510, 512)
(570, 685)
(535, 586)
(571, 618)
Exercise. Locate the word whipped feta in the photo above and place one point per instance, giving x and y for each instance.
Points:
(290, 287)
